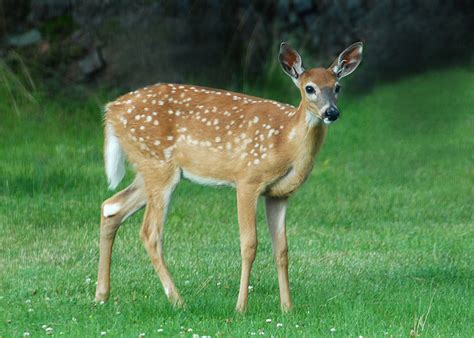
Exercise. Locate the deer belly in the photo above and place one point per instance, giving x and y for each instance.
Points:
(205, 180)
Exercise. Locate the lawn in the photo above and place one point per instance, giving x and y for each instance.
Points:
(381, 235)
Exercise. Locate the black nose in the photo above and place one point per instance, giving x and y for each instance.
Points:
(332, 113)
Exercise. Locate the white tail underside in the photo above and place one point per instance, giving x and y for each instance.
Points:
(114, 158)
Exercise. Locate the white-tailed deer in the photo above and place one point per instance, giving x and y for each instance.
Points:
(211, 136)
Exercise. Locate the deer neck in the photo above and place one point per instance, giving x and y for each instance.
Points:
(310, 136)
(305, 140)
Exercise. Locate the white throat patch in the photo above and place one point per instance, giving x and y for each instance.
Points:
(327, 121)
(312, 119)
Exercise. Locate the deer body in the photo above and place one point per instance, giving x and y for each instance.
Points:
(216, 136)
(262, 147)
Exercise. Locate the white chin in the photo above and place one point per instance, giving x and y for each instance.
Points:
(327, 121)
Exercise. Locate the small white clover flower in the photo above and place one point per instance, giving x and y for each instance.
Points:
(279, 325)
(268, 320)
(103, 333)
(333, 329)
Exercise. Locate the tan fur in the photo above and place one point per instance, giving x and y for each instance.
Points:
(217, 135)
(260, 146)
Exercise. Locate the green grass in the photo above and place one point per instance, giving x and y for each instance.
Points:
(381, 236)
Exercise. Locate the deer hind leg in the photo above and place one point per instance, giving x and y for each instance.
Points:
(247, 197)
(151, 232)
(115, 211)
(275, 210)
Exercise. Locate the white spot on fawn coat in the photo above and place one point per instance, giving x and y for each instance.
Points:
(292, 134)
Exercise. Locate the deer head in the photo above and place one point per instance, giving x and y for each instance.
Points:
(320, 87)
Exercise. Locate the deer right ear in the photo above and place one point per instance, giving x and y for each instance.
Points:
(291, 62)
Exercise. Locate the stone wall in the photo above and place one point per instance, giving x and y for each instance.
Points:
(125, 43)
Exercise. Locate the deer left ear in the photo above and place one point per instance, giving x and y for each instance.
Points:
(347, 61)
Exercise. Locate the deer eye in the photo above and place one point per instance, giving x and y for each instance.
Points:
(310, 89)
(337, 88)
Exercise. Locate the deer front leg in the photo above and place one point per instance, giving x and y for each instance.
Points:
(247, 197)
(115, 211)
(275, 210)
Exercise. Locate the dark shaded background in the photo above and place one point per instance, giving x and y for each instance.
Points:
(127, 44)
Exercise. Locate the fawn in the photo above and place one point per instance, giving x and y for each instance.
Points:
(260, 146)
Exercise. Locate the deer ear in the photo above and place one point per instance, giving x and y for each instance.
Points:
(348, 60)
(290, 61)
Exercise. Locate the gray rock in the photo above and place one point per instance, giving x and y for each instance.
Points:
(92, 62)
(26, 39)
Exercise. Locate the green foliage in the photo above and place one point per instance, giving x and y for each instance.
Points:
(17, 89)
(58, 27)
(380, 235)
